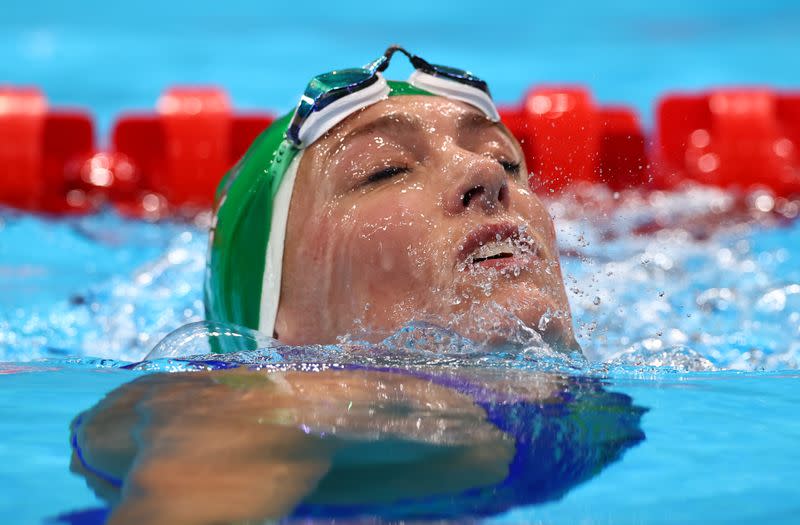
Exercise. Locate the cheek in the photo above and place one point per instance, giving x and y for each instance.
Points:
(390, 242)
(535, 214)
(377, 249)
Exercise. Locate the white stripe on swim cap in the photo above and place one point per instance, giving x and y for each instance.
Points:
(273, 264)
(317, 125)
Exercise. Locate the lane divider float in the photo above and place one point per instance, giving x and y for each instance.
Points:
(171, 160)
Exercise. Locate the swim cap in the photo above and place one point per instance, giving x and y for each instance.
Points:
(246, 243)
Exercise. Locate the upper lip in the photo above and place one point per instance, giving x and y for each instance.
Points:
(484, 234)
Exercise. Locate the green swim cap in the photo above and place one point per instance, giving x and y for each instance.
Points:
(245, 259)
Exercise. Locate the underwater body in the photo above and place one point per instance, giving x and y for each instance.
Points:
(685, 303)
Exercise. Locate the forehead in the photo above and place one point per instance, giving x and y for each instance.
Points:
(420, 105)
(436, 112)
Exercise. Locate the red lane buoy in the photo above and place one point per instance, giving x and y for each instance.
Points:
(22, 115)
(182, 151)
(567, 139)
(623, 158)
(38, 146)
(732, 138)
(173, 158)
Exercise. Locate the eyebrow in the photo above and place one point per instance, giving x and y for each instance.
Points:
(473, 120)
(477, 121)
(469, 121)
(399, 120)
(402, 121)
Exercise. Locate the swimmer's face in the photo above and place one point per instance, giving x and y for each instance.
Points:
(418, 208)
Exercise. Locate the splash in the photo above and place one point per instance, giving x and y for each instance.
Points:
(415, 346)
(698, 278)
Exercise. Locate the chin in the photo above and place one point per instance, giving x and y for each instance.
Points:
(522, 316)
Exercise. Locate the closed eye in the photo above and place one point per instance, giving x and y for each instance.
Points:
(386, 173)
(511, 167)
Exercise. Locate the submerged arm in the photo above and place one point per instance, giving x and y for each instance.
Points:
(190, 449)
(237, 445)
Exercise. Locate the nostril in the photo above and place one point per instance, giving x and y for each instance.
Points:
(469, 195)
(502, 195)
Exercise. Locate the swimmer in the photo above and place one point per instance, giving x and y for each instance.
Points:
(388, 205)
(372, 205)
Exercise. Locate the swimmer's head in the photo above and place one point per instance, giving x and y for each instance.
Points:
(410, 207)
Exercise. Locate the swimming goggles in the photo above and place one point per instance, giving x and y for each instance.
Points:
(331, 97)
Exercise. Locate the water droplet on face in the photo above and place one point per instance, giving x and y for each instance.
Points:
(544, 321)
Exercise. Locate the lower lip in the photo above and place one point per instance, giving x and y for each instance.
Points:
(506, 263)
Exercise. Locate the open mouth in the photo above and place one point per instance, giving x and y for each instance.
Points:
(497, 246)
(504, 249)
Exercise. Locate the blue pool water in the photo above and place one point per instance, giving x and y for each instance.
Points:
(698, 326)
(697, 320)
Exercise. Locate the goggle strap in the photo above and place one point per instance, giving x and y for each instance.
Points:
(320, 122)
(455, 90)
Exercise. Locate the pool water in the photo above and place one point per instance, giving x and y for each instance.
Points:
(718, 449)
(688, 301)
(698, 326)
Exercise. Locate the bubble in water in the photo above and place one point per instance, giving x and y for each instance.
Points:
(207, 337)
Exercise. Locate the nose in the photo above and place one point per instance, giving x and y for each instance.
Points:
(481, 184)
